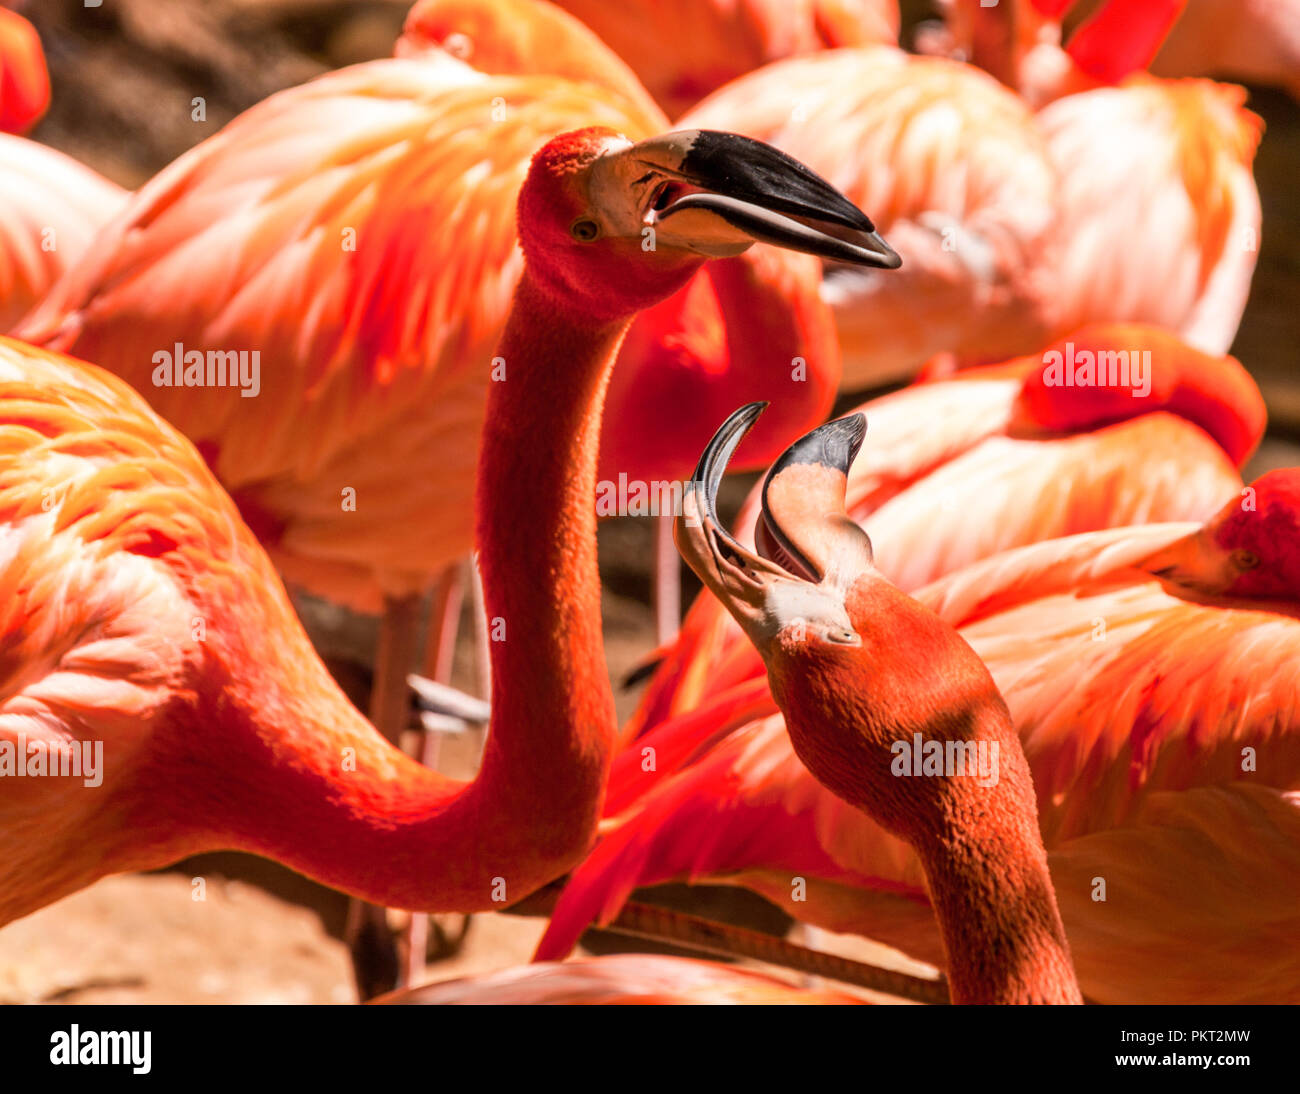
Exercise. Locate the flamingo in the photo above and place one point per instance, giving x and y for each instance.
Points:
(625, 978)
(143, 615)
(1151, 675)
(747, 328)
(24, 79)
(682, 50)
(1009, 458)
(856, 666)
(53, 208)
(961, 177)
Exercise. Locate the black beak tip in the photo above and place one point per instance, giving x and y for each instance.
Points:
(718, 452)
(835, 444)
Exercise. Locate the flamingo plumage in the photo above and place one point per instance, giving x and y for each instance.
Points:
(961, 178)
(1174, 183)
(53, 208)
(1008, 458)
(629, 979)
(143, 613)
(1150, 673)
(24, 79)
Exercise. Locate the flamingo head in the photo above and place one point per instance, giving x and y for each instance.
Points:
(1249, 549)
(858, 668)
(610, 227)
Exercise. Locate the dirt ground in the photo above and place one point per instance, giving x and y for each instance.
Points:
(124, 76)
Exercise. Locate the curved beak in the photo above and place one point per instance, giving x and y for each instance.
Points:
(778, 585)
(1195, 562)
(716, 193)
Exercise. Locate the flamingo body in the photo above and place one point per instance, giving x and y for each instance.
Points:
(1173, 185)
(960, 178)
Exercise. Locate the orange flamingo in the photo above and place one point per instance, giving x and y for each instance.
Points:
(955, 168)
(1151, 675)
(141, 613)
(625, 978)
(1007, 459)
(857, 667)
(684, 49)
(747, 328)
(24, 79)
(53, 208)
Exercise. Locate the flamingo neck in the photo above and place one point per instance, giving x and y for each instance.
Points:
(553, 721)
(313, 785)
(986, 871)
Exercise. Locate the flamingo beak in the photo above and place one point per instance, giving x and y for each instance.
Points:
(717, 193)
(780, 587)
(1194, 562)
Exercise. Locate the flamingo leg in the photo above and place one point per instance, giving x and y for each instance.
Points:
(376, 963)
(439, 657)
(667, 582)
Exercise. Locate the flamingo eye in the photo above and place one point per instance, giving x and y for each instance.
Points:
(1246, 560)
(842, 637)
(584, 229)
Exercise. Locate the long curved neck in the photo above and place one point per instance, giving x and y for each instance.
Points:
(986, 870)
(553, 723)
(311, 783)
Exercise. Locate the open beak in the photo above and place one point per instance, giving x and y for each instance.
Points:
(716, 193)
(782, 583)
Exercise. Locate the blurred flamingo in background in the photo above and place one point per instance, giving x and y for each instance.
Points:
(1015, 228)
(144, 614)
(1151, 673)
(1161, 169)
(683, 50)
(627, 978)
(53, 206)
(955, 169)
(1255, 41)
(24, 80)
(1007, 458)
